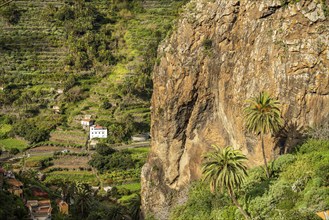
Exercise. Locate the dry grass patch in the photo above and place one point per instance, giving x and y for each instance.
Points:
(71, 162)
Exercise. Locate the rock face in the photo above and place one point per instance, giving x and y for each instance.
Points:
(222, 53)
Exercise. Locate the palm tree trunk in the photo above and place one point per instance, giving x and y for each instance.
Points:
(264, 156)
(236, 203)
(82, 210)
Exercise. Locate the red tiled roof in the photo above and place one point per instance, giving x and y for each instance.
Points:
(44, 202)
(98, 127)
(39, 193)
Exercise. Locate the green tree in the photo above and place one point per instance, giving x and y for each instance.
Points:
(104, 149)
(11, 13)
(14, 151)
(82, 199)
(263, 116)
(225, 169)
(135, 207)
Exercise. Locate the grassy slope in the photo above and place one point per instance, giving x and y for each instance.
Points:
(297, 190)
(10, 143)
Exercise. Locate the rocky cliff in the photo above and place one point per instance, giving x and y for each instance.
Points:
(222, 53)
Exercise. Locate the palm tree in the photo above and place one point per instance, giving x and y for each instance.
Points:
(225, 169)
(263, 116)
(82, 198)
(135, 207)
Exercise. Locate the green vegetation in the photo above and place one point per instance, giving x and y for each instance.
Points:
(11, 207)
(39, 161)
(134, 187)
(226, 169)
(207, 44)
(4, 130)
(262, 117)
(107, 159)
(13, 143)
(62, 60)
(74, 176)
(297, 189)
(10, 13)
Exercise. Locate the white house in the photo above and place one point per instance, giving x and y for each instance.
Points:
(97, 131)
(87, 122)
(107, 188)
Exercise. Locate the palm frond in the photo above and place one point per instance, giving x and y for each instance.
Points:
(224, 168)
(263, 114)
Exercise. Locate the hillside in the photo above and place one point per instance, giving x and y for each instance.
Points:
(62, 60)
(298, 189)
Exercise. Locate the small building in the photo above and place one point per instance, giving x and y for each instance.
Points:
(97, 131)
(56, 109)
(93, 144)
(60, 91)
(95, 188)
(38, 192)
(41, 176)
(15, 187)
(87, 122)
(39, 209)
(107, 188)
(65, 151)
(63, 207)
(10, 175)
(87, 116)
(140, 137)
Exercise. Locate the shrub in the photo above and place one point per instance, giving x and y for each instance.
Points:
(104, 149)
(11, 13)
(119, 160)
(283, 162)
(31, 132)
(207, 44)
(106, 105)
(14, 151)
(201, 202)
(313, 145)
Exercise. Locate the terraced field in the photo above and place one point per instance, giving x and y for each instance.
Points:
(76, 137)
(63, 60)
(142, 33)
(76, 57)
(33, 48)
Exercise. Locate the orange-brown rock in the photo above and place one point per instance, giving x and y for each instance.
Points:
(222, 53)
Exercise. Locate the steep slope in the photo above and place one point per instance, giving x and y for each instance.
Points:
(222, 53)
